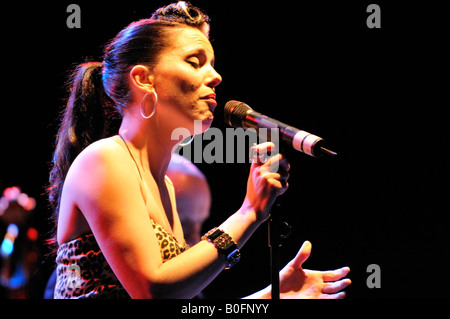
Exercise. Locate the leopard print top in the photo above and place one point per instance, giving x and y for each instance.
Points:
(83, 272)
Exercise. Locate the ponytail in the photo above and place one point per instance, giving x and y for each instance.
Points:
(88, 116)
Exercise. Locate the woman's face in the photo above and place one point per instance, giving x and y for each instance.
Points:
(185, 78)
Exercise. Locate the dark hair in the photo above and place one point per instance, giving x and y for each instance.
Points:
(99, 91)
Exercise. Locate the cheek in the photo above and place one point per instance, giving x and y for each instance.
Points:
(188, 84)
(176, 89)
(184, 96)
(180, 79)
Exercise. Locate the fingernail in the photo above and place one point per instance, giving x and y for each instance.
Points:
(253, 154)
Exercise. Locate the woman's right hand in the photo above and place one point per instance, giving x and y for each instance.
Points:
(267, 179)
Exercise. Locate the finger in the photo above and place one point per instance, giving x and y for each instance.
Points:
(272, 164)
(265, 147)
(277, 163)
(284, 164)
(274, 177)
(278, 186)
(259, 152)
(333, 275)
(302, 255)
(331, 288)
(340, 295)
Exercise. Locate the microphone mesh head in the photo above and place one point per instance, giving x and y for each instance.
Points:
(235, 112)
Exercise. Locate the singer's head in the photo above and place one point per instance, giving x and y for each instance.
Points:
(157, 75)
(170, 55)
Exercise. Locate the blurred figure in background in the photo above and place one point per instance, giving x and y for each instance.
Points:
(193, 196)
(19, 249)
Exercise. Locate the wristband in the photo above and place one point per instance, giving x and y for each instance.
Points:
(225, 245)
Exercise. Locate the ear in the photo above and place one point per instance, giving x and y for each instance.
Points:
(141, 78)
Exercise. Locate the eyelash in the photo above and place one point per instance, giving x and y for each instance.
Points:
(194, 64)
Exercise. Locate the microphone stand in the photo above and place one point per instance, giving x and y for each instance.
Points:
(274, 237)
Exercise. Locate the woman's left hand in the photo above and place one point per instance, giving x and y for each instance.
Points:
(299, 283)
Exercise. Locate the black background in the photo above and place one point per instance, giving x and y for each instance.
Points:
(378, 96)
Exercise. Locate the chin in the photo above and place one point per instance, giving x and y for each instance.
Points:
(200, 126)
(206, 124)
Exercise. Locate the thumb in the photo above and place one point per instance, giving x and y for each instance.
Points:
(302, 255)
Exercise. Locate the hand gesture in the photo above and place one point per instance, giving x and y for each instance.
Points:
(267, 179)
(299, 283)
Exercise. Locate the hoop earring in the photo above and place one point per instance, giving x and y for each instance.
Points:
(187, 143)
(154, 106)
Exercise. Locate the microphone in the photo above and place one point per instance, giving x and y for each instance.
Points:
(239, 114)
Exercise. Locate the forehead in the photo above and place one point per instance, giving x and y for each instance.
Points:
(186, 39)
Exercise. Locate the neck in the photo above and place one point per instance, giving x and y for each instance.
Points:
(150, 144)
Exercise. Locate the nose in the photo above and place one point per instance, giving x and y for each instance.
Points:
(213, 79)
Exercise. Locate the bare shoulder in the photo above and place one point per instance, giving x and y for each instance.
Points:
(97, 177)
(101, 163)
(101, 149)
(103, 154)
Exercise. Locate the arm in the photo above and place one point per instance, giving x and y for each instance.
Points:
(109, 196)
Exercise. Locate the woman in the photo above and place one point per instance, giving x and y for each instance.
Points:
(117, 224)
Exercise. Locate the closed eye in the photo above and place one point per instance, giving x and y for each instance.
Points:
(197, 59)
(193, 63)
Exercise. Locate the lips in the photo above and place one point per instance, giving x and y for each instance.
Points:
(211, 96)
(210, 99)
